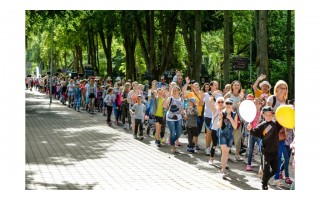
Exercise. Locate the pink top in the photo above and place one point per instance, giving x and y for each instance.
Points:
(256, 120)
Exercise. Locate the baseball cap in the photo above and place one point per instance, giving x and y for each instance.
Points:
(228, 100)
(267, 109)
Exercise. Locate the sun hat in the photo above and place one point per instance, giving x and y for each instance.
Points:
(265, 83)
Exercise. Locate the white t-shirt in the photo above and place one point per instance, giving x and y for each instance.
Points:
(174, 109)
(207, 108)
(214, 121)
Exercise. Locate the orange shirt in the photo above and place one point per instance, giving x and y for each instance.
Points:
(258, 93)
(192, 94)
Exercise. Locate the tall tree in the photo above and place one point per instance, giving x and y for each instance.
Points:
(288, 57)
(130, 40)
(227, 50)
(198, 52)
(262, 61)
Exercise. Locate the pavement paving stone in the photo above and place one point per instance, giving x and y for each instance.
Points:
(67, 150)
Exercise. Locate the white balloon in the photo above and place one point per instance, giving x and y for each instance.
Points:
(247, 110)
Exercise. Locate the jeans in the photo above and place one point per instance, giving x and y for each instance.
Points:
(252, 141)
(115, 111)
(280, 152)
(175, 128)
(285, 165)
(200, 120)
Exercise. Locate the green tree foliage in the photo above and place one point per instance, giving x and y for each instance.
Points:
(131, 43)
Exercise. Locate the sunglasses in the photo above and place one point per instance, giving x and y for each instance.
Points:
(228, 103)
(220, 101)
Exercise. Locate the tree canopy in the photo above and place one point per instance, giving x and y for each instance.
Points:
(145, 44)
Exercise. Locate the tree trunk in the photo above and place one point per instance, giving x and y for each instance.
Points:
(262, 49)
(256, 25)
(97, 56)
(130, 46)
(188, 37)
(289, 66)
(65, 59)
(80, 60)
(226, 66)
(109, 59)
(75, 59)
(89, 46)
(198, 52)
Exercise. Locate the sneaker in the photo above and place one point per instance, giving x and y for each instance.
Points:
(288, 181)
(190, 149)
(141, 137)
(249, 168)
(238, 158)
(265, 187)
(135, 136)
(124, 126)
(210, 162)
(207, 151)
(224, 174)
(197, 148)
(174, 150)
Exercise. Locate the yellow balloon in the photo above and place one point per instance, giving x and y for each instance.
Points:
(285, 115)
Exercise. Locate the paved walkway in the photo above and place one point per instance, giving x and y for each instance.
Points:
(67, 150)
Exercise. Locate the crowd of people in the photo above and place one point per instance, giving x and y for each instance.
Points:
(185, 106)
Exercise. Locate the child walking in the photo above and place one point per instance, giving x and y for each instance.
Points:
(138, 110)
(268, 132)
(158, 112)
(77, 97)
(191, 123)
(109, 99)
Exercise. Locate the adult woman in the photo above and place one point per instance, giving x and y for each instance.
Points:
(209, 96)
(174, 106)
(227, 88)
(279, 98)
(264, 85)
(91, 90)
(227, 124)
(125, 105)
(70, 89)
(236, 96)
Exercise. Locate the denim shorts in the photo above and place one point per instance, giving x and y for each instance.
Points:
(225, 138)
(207, 122)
